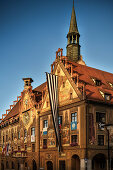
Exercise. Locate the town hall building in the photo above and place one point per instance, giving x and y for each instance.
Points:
(85, 107)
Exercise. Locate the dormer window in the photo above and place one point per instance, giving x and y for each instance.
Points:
(97, 82)
(111, 85)
(107, 96)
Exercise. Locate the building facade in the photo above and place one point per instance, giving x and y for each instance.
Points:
(85, 101)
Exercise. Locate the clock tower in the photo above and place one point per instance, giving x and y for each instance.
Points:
(73, 47)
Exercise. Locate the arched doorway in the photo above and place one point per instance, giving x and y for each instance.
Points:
(99, 162)
(75, 162)
(2, 166)
(34, 165)
(49, 165)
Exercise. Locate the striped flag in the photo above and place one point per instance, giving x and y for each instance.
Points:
(52, 83)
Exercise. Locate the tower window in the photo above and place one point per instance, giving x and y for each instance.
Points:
(74, 38)
(70, 39)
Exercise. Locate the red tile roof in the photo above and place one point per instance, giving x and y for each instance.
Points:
(92, 91)
(40, 88)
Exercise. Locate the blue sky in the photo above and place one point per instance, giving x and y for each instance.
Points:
(31, 31)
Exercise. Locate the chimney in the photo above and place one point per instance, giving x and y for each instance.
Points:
(27, 82)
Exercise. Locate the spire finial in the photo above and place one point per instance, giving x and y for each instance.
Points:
(73, 22)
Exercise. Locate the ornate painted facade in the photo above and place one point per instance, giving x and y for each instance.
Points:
(85, 99)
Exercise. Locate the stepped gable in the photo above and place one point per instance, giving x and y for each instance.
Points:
(15, 110)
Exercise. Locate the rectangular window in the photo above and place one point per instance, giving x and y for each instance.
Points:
(74, 139)
(44, 143)
(45, 123)
(25, 147)
(33, 147)
(33, 131)
(18, 148)
(6, 138)
(71, 96)
(18, 135)
(25, 133)
(101, 140)
(12, 136)
(74, 117)
(100, 117)
(60, 120)
(3, 139)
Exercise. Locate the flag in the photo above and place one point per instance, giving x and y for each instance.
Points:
(52, 83)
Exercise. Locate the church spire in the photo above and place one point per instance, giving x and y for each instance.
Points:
(73, 47)
(73, 22)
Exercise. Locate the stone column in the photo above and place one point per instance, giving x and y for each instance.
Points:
(82, 164)
(89, 164)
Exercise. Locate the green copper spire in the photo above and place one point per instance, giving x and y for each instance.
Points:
(73, 22)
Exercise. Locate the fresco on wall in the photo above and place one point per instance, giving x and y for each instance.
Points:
(51, 138)
(65, 136)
